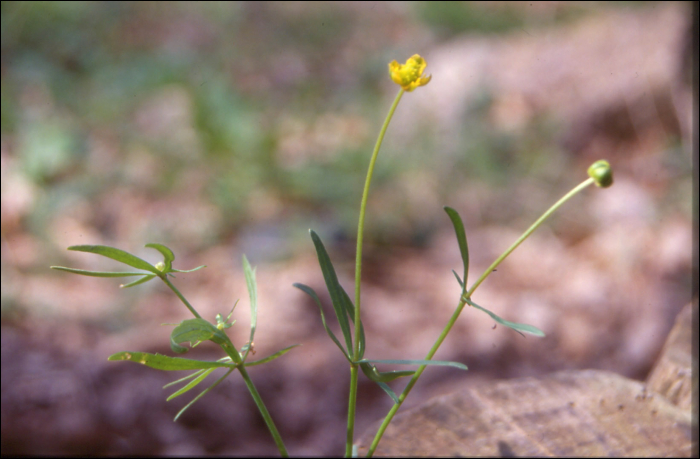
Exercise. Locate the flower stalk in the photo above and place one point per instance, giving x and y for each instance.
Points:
(409, 76)
(600, 174)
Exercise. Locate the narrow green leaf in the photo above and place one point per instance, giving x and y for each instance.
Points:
(514, 325)
(96, 273)
(116, 254)
(334, 289)
(145, 278)
(188, 270)
(461, 284)
(272, 357)
(350, 309)
(462, 241)
(168, 255)
(191, 384)
(309, 291)
(377, 376)
(204, 392)
(442, 363)
(374, 375)
(164, 362)
(385, 387)
(190, 376)
(253, 293)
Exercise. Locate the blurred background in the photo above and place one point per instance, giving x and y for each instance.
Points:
(222, 129)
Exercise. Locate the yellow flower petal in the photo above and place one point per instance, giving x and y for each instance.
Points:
(409, 75)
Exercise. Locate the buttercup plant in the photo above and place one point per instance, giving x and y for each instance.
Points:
(348, 314)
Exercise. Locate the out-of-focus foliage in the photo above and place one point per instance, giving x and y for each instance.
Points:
(452, 18)
(263, 111)
(144, 95)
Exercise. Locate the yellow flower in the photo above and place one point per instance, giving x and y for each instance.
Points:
(409, 75)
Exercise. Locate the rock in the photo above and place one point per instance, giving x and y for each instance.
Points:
(569, 413)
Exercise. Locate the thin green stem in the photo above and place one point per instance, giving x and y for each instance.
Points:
(179, 295)
(263, 411)
(235, 356)
(358, 276)
(460, 307)
(527, 233)
(354, 370)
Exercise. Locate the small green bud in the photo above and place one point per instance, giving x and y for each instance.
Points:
(160, 266)
(602, 173)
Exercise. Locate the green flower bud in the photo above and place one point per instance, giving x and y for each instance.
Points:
(160, 266)
(602, 173)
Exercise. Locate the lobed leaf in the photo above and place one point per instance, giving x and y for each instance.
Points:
(164, 362)
(514, 325)
(118, 255)
(462, 241)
